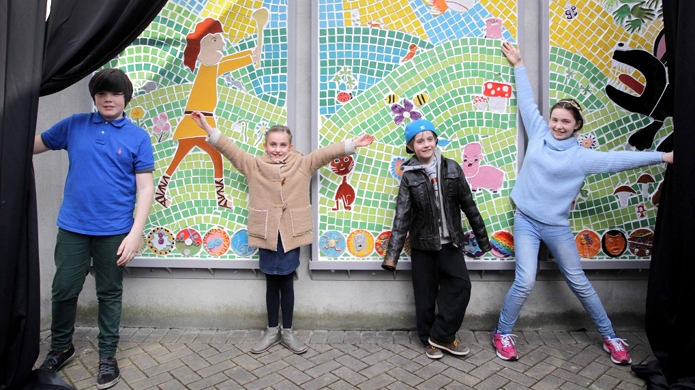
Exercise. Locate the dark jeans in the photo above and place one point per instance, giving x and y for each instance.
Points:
(73, 255)
(441, 278)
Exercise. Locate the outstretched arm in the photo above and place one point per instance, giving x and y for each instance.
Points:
(133, 241)
(534, 124)
(363, 140)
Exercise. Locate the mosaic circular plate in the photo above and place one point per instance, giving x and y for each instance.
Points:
(360, 243)
(160, 241)
(216, 242)
(614, 243)
(588, 243)
(332, 243)
(502, 243)
(640, 242)
(189, 242)
(395, 167)
(382, 242)
(470, 245)
(240, 244)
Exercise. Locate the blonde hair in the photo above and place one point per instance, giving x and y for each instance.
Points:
(279, 129)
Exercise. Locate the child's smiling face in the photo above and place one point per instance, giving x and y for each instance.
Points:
(277, 145)
(562, 123)
(423, 145)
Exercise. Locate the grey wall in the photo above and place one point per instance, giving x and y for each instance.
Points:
(240, 304)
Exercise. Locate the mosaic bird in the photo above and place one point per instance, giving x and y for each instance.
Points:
(441, 6)
(411, 52)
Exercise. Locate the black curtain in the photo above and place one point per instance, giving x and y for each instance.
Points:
(83, 35)
(80, 36)
(21, 50)
(671, 292)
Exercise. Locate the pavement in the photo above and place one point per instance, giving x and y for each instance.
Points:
(153, 358)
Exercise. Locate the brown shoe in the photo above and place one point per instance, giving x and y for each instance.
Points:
(433, 352)
(454, 348)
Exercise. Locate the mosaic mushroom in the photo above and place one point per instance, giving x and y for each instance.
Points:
(497, 94)
(644, 181)
(623, 193)
(480, 102)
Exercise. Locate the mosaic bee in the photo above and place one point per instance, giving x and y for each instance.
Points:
(392, 98)
(419, 99)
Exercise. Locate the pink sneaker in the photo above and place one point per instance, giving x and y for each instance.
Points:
(504, 345)
(616, 347)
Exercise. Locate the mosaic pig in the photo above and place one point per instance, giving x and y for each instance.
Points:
(478, 176)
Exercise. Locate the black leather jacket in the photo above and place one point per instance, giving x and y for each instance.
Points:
(417, 211)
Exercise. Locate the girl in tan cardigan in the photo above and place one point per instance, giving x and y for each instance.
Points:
(280, 219)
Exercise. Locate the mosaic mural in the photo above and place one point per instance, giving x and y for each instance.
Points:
(385, 63)
(229, 60)
(610, 56)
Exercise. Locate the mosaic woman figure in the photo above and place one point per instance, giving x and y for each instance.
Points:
(205, 45)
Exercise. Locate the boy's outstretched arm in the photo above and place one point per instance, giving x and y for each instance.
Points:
(39, 146)
(133, 241)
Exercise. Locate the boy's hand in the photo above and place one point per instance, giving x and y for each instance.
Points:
(363, 140)
(130, 246)
(512, 53)
(199, 119)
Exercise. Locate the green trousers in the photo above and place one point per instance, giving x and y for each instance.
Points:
(74, 254)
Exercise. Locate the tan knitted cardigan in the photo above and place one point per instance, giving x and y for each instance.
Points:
(279, 192)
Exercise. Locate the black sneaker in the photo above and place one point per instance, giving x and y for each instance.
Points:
(55, 360)
(108, 373)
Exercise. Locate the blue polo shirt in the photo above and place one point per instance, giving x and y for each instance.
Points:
(104, 157)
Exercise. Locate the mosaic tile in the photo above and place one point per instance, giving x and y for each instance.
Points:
(446, 57)
(581, 65)
(246, 97)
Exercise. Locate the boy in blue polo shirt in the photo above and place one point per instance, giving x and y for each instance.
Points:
(110, 162)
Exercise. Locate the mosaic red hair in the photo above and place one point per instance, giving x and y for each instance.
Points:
(207, 26)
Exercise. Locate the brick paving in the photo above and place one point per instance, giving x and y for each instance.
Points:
(221, 359)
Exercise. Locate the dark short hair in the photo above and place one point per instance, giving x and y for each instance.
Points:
(572, 106)
(112, 80)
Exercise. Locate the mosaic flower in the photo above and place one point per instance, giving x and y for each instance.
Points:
(404, 112)
(396, 170)
(161, 126)
(261, 128)
(588, 140)
(137, 113)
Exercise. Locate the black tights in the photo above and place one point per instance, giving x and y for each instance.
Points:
(280, 289)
